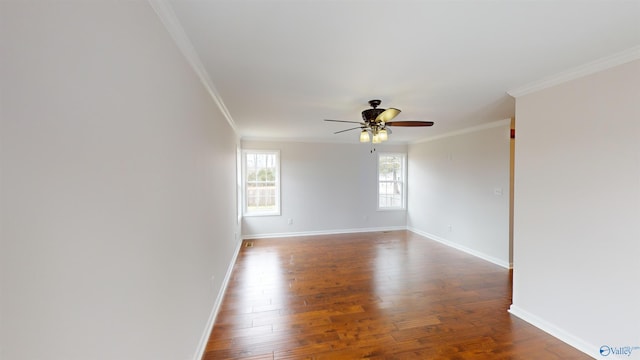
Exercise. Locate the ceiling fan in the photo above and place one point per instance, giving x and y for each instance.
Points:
(375, 123)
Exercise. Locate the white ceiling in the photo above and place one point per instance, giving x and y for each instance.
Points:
(281, 67)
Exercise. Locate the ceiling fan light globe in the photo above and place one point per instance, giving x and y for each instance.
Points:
(364, 136)
(376, 139)
(383, 135)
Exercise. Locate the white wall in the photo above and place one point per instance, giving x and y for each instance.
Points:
(117, 186)
(452, 196)
(577, 209)
(325, 188)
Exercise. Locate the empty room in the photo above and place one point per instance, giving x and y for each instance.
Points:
(278, 179)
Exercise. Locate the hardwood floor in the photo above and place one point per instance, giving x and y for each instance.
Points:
(385, 295)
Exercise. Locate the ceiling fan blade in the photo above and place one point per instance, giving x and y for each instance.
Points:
(387, 115)
(338, 132)
(343, 121)
(409, 123)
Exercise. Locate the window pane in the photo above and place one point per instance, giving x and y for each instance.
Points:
(391, 180)
(261, 182)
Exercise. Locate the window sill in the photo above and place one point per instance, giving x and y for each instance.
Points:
(261, 214)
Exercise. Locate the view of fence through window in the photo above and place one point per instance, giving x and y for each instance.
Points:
(391, 181)
(261, 191)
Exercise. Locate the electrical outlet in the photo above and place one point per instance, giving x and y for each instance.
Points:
(290, 221)
(450, 228)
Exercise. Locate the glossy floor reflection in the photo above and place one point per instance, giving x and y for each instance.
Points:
(385, 295)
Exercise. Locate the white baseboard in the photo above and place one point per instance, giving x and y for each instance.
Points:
(499, 262)
(321, 232)
(555, 331)
(202, 345)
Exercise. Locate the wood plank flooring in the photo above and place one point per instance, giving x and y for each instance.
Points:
(384, 295)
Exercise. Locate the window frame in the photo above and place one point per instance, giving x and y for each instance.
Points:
(403, 199)
(245, 211)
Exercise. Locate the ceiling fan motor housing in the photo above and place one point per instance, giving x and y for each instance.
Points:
(370, 115)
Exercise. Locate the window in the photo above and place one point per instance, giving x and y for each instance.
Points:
(391, 181)
(261, 171)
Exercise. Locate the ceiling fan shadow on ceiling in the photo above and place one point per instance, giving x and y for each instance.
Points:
(375, 122)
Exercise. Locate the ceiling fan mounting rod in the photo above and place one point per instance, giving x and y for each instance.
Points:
(374, 103)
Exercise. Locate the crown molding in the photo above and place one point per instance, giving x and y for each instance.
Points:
(168, 18)
(493, 124)
(620, 58)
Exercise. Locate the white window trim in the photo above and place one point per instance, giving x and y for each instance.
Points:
(276, 212)
(403, 207)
